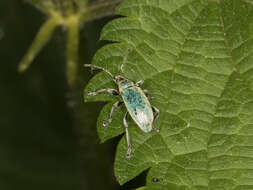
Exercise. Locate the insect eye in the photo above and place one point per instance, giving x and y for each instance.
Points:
(119, 79)
(115, 93)
(155, 179)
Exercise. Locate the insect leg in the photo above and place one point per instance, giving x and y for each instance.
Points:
(156, 115)
(112, 91)
(128, 155)
(114, 106)
(97, 67)
(139, 83)
(157, 112)
(124, 60)
(147, 94)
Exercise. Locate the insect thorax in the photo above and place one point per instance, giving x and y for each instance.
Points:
(125, 84)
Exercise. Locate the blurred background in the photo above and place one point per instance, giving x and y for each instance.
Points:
(48, 137)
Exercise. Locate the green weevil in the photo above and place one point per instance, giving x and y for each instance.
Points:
(135, 100)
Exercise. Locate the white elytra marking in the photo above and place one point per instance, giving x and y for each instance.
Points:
(142, 117)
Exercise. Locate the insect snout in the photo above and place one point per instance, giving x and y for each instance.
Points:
(119, 78)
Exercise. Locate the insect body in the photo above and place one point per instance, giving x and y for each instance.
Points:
(137, 104)
(136, 101)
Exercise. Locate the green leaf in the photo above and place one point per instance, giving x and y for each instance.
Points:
(142, 188)
(196, 57)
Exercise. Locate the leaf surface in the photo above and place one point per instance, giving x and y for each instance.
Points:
(196, 58)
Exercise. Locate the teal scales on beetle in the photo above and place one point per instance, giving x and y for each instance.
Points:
(137, 105)
(134, 98)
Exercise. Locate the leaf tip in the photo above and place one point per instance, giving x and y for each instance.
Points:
(22, 67)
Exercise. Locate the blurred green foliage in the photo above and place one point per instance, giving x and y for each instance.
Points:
(69, 15)
(48, 136)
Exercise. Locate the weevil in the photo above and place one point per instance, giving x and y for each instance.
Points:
(135, 100)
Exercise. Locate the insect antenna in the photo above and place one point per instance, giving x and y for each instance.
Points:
(97, 67)
(124, 60)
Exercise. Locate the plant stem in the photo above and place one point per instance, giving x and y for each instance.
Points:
(40, 41)
(72, 49)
